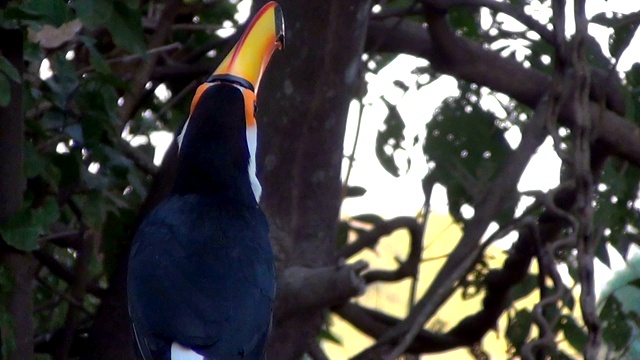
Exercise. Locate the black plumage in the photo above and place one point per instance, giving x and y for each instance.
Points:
(201, 268)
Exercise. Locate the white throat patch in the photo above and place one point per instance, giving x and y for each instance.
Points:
(252, 136)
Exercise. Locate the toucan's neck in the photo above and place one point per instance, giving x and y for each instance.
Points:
(223, 182)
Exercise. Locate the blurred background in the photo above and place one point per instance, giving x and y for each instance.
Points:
(481, 156)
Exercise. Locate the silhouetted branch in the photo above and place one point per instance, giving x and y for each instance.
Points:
(407, 268)
(316, 352)
(301, 289)
(77, 292)
(141, 160)
(471, 62)
(65, 239)
(581, 135)
(63, 272)
(370, 238)
(498, 6)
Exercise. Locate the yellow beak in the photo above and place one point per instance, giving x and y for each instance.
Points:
(251, 54)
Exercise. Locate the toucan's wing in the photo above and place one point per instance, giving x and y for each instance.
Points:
(202, 276)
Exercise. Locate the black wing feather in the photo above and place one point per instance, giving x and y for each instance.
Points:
(201, 274)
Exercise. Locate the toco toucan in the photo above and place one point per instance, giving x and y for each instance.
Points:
(201, 279)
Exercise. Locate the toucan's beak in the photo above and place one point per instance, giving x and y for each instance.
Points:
(251, 54)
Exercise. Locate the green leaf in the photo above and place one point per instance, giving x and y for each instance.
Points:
(574, 334)
(55, 12)
(125, 24)
(17, 12)
(524, 287)
(69, 165)
(46, 215)
(22, 230)
(97, 60)
(518, 328)
(389, 140)
(620, 39)
(34, 163)
(64, 82)
(617, 331)
(468, 148)
(87, 10)
(329, 336)
(355, 191)
(5, 90)
(92, 204)
(131, 4)
(8, 69)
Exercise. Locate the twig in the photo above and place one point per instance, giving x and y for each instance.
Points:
(65, 239)
(61, 271)
(370, 238)
(133, 57)
(144, 70)
(407, 268)
(142, 161)
(545, 326)
(351, 158)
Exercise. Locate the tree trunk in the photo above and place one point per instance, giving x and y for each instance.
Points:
(303, 105)
(20, 265)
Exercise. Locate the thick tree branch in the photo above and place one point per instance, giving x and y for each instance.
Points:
(471, 62)
(18, 266)
(498, 6)
(302, 289)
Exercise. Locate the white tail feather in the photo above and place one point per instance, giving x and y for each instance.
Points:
(179, 352)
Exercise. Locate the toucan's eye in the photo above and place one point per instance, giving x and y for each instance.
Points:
(255, 108)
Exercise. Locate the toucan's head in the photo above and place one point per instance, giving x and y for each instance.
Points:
(217, 144)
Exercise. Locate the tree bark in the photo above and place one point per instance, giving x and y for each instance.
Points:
(303, 104)
(20, 265)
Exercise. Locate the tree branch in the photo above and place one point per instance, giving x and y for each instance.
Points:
(63, 272)
(467, 251)
(143, 73)
(471, 62)
(370, 238)
(141, 160)
(498, 284)
(301, 289)
(498, 6)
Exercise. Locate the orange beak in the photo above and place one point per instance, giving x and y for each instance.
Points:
(251, 54)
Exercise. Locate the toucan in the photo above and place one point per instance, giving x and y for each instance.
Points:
(201, 278)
